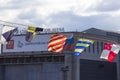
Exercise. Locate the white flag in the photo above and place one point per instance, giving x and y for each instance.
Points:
(110, 51)
(7, 34)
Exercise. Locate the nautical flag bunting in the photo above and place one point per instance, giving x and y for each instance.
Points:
(110, 51)
(56, 43)
(81, 45)
(32, 32)
(69, 44)
(7, 34)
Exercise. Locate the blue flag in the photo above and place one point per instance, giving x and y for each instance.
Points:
(7, 33)
(81, 45)
(69, 45)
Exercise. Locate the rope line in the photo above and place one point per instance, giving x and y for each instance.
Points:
(83, 35)
(13, 23)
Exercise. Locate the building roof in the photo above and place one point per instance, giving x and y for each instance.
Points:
(101, 32)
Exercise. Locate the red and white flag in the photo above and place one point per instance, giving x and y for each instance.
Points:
(56, 43)
(110, 51)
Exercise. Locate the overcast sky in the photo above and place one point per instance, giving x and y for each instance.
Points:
(72, 15)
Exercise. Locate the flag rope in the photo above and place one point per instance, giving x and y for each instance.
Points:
(13, 23)
(83, 33)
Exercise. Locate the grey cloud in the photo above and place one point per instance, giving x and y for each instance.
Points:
(27, 14)
(37, 22)
(72, 22)
(108, 5)
(19, 4)
(32, 17)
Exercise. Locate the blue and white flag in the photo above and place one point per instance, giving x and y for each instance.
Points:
(7, 34)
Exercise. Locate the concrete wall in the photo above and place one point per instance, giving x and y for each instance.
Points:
(45, 71)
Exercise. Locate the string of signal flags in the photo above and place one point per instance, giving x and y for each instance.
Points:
(58, 42)
(23, 31)
(8, 23)
(13, 24)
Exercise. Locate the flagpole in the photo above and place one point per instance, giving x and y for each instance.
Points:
(1, 48)
(65, 69)
(1, 45)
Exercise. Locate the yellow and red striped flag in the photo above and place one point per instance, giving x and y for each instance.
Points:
(56, 43)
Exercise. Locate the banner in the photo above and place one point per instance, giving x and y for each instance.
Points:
(19, 44)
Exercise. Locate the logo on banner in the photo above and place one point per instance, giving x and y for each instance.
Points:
(20, 44)
(10, 44)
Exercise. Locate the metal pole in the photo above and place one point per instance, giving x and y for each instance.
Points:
(64, 70)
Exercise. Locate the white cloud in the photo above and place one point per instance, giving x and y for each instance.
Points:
(81, 14)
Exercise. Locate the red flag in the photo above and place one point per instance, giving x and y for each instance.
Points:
(56, 43)
(110, 51)
(69, 45)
